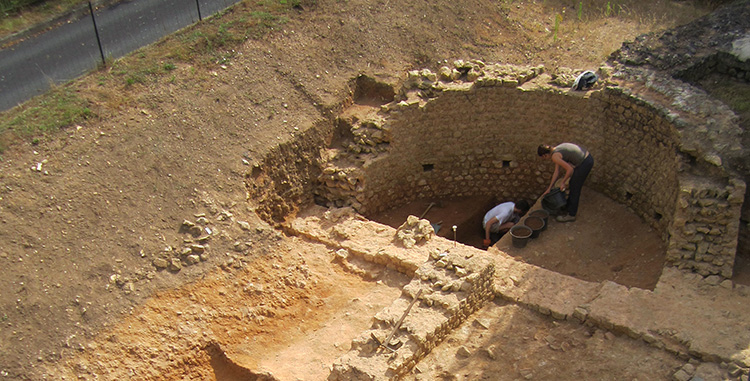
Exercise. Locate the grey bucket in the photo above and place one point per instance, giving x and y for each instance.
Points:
(555, 201)
(543, 214)
(536, 224)
(520, 235)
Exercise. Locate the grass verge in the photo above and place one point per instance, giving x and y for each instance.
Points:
(13, 20)
(204, 44)
(60, 107)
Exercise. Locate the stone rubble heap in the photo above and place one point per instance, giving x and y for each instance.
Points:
(414, 231)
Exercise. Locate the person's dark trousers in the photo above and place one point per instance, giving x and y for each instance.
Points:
(576, 183)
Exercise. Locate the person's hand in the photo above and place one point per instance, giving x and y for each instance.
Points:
(545, 192)
(486, 243)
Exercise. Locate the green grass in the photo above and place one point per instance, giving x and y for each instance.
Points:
(558, 20)
(12, 7)
(207, 43)
(17, 15)
(59, 108)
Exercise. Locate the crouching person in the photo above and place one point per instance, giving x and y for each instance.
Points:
(500, 219)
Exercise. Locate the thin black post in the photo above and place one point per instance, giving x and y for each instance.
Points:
(198, 4)
(96, 30)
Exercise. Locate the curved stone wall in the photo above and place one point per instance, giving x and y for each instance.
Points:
(482, 140)
(472, 130)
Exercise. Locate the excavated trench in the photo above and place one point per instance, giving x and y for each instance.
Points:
(327, 301)
(446, 147)
(449, 146)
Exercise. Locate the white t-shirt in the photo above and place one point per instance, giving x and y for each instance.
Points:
(503, 212)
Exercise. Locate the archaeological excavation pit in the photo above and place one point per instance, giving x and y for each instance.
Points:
(354, 285)
(343, 263)
(441, 149)
(449, 146)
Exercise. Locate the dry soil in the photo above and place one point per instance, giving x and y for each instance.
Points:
(87, 212)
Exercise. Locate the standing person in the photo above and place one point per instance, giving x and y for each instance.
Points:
(577, 162)
(500, 219)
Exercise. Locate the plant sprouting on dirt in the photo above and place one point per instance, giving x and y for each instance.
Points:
(558, 20)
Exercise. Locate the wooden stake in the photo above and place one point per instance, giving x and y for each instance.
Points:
(398, 325)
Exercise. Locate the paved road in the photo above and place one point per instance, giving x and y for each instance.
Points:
(64, 53)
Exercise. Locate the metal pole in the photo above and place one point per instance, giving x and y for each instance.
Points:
(454, 235)
(198, 4)
(96, 30)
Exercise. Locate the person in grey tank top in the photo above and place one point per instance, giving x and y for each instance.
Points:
(576, 162)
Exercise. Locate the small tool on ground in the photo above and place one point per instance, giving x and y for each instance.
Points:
(435, 226)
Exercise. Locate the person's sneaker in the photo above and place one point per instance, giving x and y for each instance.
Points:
(565, 218)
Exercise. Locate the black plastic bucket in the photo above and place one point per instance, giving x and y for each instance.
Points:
(536, 224)
(543, 214)
(555, 201)
(520, 235)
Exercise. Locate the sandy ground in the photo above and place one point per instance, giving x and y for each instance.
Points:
(607, 242)
(84, 293)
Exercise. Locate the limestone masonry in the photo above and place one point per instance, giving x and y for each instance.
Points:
(660, 148)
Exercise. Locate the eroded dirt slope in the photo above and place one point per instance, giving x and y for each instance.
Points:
(85, 213)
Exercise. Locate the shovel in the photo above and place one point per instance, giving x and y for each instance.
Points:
(435, 226)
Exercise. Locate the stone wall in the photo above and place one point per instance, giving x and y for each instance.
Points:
(480, 138)
(704, 234)
(639, 165)
(449, 283)
(449, 288)
(474, 132)
(280, 182)
(452, 136)
(721, 63)
(716, 46)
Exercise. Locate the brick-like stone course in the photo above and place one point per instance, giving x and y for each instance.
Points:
(479, 138)
(455, 281)
(452, 291)
(706, 227)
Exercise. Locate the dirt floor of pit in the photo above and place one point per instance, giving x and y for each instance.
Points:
(607, 242)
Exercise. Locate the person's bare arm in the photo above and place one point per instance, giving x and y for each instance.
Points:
(560, 163)
(555, 174)
(487, 226)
